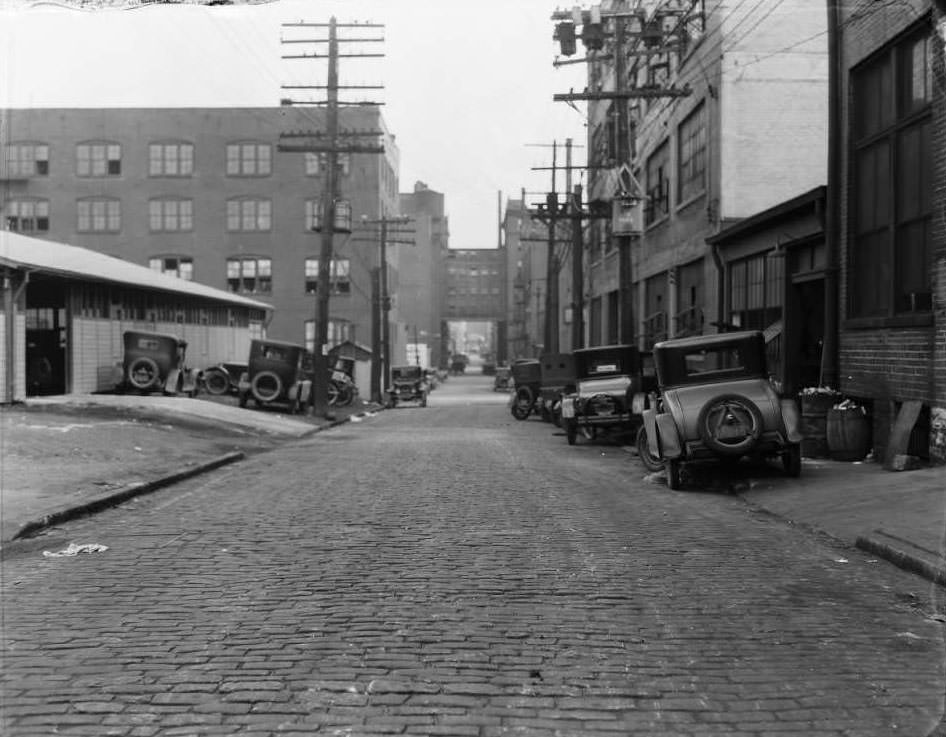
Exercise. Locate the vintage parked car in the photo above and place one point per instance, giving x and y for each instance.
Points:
(223, 378)
(527, 382)
(155, 362)
(717, 402)
(502, 379)
(557, 381)
(275, 375)
(611, 392)
(408, 384)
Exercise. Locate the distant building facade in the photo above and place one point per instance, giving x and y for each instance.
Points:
(421, 288)
(206, 195)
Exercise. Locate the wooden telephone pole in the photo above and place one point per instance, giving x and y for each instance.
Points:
(381, 298)
(330, 143)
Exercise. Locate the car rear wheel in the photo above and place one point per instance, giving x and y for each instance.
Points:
(216, 382)
(332, 394)
(522, 403)
(266, 386)
(730, 424)
(651, 462)
(143, 373)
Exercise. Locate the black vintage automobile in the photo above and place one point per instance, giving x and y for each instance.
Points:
(527, 382)
(155, 362)
(717, 403)
(275, 375)
(502, 380)
(558, 380)
(408, 384)
(610, 394)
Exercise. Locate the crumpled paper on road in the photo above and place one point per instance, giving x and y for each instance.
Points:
(75, 549)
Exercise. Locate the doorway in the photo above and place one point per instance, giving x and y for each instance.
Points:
(807, 298)
(45, 338)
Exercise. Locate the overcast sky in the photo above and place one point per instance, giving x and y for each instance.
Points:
(468, 85)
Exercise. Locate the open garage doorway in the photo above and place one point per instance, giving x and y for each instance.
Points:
(45, 337)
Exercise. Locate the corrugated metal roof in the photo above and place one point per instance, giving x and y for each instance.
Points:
(23, 252)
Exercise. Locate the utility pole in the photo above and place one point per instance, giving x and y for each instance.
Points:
(331, 146)
(639, 36)
(578, 273)
(381, 343)
(552, 215)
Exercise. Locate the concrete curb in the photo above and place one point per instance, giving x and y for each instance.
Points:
(114, 498)
(904, 555)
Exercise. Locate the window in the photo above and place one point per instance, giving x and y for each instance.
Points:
(254, 275)
(338, 332)
(691, 173)
(249, 159)
(179, 266)
(755, 292)
(171, 159)
(890, 197)
(27, 216)
(339, 276)
(313, 213)
(315, 163)
(98, 160)
(170, 215)
(658, 185)
(248, 214)
(27, 159)
(99, 216)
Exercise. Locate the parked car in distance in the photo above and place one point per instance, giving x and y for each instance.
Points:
(275, 375)
(408, 384)
(155, 362)
(502, 379)
(610, 393)
(557, 381)
(717, 402)
(527, 381)
(223, 378)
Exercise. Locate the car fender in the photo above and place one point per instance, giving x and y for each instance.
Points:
(792, 420)
(305, 389)
(649, 417)
(170, 385)
(669, 436)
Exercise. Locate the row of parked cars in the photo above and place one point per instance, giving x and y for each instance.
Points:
(703, 398)
(276, 372)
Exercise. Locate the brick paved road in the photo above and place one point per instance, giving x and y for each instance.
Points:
(449, 571)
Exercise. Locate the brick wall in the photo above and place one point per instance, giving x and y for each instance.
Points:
(886, 364)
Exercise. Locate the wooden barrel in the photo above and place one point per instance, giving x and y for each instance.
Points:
(848, 434)
(814, 410)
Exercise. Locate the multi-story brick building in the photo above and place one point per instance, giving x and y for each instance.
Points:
(730, 121)
(475, 284)
(420, 266)
(204, 194)
(891, 189)
(525, 244)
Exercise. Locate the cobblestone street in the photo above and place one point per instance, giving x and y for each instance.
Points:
(450, 571)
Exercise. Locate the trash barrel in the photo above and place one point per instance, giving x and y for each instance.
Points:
(848, 434)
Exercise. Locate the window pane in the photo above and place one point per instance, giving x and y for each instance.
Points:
(264, 212)
(264, 162)
(154, 215)
(155, 159)
(265, 267)
(870, 274)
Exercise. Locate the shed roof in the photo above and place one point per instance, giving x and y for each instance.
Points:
(60, 259)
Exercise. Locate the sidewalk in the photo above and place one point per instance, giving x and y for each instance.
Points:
(65, 456)
(896, 515)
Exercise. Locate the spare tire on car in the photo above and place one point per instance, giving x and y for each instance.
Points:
(143, 373)
(730, 424)
(266, 386)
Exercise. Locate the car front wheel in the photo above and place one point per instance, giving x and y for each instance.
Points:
(651, 462)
